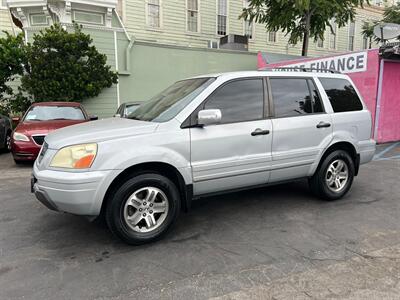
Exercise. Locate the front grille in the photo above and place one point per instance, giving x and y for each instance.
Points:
(39, 139)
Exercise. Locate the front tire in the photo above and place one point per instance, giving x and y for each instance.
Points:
(143, 208)
(334, 177)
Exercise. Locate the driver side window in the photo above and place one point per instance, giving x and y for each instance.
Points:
(239, 101)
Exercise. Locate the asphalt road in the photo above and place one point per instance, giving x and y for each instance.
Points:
(270, 243)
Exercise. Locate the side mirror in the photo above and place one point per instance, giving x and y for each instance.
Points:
(93, 118)
(209, 117)
(15, 120)
(117, 116)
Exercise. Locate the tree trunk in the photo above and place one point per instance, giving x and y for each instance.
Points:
(306, 35)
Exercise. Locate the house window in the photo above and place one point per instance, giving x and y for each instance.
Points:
(153, 13)
(248, 29)
(3, 4)
(352, 31)
(222, 17)
(88, 17)
(365, 42)
(272, 36)
(248, 25)
(193, 15)
(332, 37)
(320, 43)
(38, 19)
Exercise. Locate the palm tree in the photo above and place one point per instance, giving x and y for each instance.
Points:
(392, 14)
(367, 31)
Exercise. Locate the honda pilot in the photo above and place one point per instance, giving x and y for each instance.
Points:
(206, 135)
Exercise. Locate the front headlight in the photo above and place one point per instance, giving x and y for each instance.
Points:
(20, 137)
(75, 157)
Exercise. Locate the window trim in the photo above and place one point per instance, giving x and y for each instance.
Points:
(319, 40)
(312, 79)
(275, 34)
(365, 43)
(88, 12)
(191, 120)
(252, 23)
(160, 15)
(38, 24)
(252, 30)
(333, 36)
(2, 6)
(187, 18)
(226, 16)
(354, 36)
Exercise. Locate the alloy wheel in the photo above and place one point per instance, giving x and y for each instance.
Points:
(146, 209)
(337, 175)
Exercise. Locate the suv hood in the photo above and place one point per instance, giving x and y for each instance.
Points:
(97, 131)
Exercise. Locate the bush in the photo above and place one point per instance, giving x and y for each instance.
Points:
(12, 60)
(65, 66)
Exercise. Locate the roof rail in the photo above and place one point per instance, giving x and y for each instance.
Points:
(298, 69)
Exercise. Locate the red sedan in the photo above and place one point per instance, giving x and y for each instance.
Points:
(39, 120)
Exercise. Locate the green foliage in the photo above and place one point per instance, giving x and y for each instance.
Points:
(301, 19)
(367, 31)
(65, 66)
(12, 59)
(392, 14)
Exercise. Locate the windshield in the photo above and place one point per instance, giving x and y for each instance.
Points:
(167, 104)
(131, 108)
(47, 113)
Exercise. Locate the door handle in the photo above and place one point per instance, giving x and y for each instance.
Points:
(323, 125)
(259, 131)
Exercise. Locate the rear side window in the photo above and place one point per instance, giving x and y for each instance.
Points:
(341, 94)
(294, 97)
(239, 100)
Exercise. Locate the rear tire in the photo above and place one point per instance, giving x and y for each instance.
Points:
(334, 176)
(7, 145)
(143, 208)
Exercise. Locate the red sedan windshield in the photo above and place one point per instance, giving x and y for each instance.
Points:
(48, 113)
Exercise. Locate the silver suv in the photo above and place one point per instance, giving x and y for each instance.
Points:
(206, 135)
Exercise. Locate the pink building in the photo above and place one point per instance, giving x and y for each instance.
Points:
(377, 77)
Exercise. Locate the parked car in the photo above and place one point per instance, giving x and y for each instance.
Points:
(207, 135)
(38, 121)
(5, 133)
(125, 109)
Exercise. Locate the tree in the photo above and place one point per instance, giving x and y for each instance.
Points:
(367, 31)
(64, 66)
(301, 19)
(12, 59)
(392, 14)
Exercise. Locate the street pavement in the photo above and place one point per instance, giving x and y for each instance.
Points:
(276, 242)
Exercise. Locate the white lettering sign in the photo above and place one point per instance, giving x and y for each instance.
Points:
(348, 63)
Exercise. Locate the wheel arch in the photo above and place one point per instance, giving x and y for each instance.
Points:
(346, 146)
(162, 168)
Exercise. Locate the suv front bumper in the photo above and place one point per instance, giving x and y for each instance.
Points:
(79, 193)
